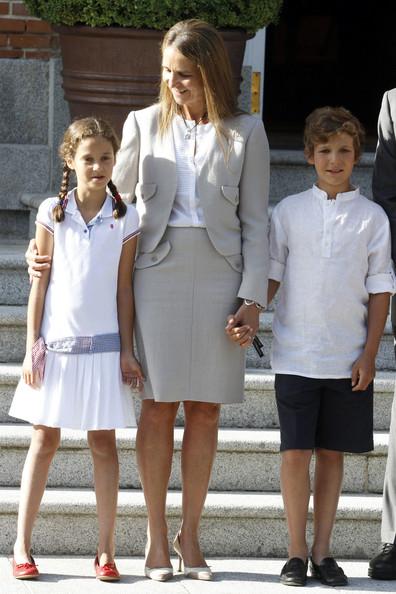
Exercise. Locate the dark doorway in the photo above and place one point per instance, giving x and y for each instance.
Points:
(327, 53)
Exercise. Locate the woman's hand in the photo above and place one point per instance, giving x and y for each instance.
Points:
(131, 371)
(35, 262)
(243, 325)
(30, 377)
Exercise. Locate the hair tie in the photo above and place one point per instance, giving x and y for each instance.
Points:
(63, 203)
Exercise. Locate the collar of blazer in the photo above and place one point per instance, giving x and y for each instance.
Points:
(164, 148)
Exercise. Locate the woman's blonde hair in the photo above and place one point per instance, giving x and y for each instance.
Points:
(77, 131)
(199, 42)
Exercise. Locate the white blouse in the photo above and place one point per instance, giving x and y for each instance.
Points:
(328, 255)
(191, 146)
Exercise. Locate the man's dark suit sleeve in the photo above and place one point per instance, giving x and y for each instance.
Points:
(384, 175)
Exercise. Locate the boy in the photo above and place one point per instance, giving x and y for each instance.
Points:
(330, 254)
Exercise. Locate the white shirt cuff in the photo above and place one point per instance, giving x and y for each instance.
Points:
(381, 283)
(276, 270)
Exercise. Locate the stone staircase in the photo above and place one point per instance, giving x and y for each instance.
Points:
(244, 513)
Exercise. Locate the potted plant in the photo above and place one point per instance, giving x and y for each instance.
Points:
(110, 48)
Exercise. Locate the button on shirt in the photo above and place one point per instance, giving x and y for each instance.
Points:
(190, 153)
(329, 255)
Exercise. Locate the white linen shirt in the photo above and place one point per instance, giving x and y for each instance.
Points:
(328, 255)
(190, 154)
(81, 298)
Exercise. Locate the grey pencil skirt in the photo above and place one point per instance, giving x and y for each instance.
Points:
(181, 307)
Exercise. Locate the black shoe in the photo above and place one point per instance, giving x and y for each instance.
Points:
(328, 572)
(294, 572)
(383, 566)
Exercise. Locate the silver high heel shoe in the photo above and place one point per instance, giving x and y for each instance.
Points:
(158, 574)
(195, 573)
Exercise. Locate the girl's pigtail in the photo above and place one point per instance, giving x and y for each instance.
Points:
(119, 205)
(59, 210)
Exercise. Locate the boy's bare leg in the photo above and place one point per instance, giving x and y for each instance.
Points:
(329, 470)
(296, 488)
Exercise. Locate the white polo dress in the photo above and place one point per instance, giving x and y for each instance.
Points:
(81, 390)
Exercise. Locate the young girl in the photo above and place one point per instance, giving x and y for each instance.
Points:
(80, 319)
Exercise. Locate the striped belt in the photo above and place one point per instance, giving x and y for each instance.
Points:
(77, 345)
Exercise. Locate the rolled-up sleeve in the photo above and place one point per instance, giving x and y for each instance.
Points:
(278, 247)
(381, 276)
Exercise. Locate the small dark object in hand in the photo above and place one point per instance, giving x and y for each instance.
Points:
(258, 346)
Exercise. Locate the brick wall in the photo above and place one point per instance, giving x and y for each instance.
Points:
(24, 36)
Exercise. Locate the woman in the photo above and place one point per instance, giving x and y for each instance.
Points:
(200, 171)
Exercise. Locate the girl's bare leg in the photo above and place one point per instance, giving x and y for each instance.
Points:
(106, 476)
(44, 443)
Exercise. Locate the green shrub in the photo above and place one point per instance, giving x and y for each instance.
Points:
(250, 15)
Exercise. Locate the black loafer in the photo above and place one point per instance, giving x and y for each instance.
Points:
(328, 572)
(294, 572)
(383, 566)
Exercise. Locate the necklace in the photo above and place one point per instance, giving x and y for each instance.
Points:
(189, 130)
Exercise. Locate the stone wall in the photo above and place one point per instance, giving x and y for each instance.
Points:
(33, 117)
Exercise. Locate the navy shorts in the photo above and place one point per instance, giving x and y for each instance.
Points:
(323, 413)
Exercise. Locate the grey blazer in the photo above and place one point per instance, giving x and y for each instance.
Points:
(234, 195)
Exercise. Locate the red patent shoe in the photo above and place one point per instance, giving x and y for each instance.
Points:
(107, 572)
(25, 571)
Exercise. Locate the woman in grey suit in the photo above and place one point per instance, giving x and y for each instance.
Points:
(199, 169)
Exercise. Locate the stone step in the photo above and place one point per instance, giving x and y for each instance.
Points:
(257, 411)
(233, 575)
(291, 174)
(246, 460)
(385, 358)
(31, 202)
(13, 322)
(14, 286)
(23, 166)
(12, 332)
(14, 223)
(13, 336)
(233, 524)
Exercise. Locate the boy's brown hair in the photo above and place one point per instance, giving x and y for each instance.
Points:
(324, 122)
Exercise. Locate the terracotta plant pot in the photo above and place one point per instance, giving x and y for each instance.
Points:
(109, 71)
